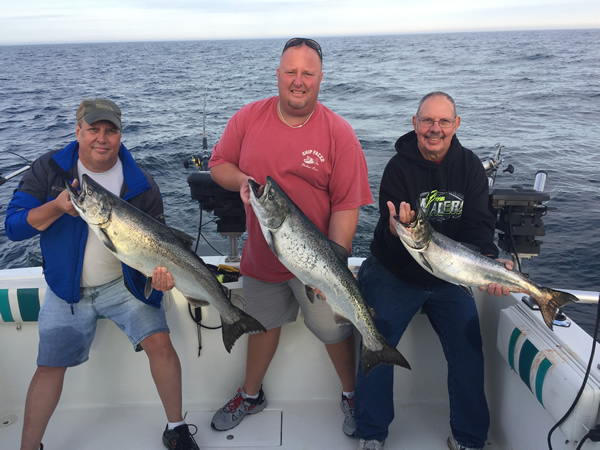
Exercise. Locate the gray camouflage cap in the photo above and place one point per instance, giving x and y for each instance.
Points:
(93, 110)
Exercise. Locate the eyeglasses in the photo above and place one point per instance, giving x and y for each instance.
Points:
(294, 42)
(443, 123)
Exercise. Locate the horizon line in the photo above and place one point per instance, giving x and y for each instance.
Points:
(366, 34)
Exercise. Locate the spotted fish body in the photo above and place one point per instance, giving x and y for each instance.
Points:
(144, 243)
(457, 264)
(315, 260)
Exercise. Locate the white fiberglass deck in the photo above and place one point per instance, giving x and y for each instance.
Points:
(286, 425)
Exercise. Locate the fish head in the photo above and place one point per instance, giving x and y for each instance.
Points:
(416, 234)
(270, 203)
(92, 202)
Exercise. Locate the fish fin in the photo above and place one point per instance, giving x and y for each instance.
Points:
(233, 331)
(196, 301)
(148, 288)
(106, 241)
(387, 355)
(313, 293)
(341, 320)
(185, 238)
(426, 263)
(271, 242)
(310, 293)
(341, 251)
(467, 289)
(557, 299)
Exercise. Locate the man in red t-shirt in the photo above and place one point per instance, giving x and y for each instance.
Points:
(316, 158)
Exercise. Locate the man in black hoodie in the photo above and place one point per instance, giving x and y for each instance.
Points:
(431, 170)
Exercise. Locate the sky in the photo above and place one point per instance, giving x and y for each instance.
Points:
(70, 21)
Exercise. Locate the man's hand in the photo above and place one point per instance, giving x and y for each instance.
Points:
(245, 190)
(162, 280)
(64, 203)
(405, 214)
(497, 289)
(46, 214)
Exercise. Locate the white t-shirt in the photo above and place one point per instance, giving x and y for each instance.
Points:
(100, 266)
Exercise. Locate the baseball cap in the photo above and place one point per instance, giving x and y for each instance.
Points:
(95, 109)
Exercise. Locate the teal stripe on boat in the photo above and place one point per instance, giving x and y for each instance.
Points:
(511, 347)
(29, 304)
(528, 352)
(539, 379)
(5, 306)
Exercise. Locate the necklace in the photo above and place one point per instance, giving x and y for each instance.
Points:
(292, 126)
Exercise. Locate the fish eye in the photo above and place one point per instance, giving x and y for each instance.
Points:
(90, 192)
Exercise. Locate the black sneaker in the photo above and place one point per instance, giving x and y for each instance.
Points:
(180, 438)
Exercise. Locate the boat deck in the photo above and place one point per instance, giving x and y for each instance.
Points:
(294, 425)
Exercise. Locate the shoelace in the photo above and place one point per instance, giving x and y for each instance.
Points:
(350, 403)
(189, 437)
(234, 403)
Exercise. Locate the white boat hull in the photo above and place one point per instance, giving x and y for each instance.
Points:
(110, 401)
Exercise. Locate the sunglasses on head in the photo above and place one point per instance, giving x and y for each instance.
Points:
(309, 43)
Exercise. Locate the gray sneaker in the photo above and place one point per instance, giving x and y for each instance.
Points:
(230, 415)
(373, 444)
(453, 445)
(347, 405)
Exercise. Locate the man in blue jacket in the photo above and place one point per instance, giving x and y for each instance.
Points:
(432, 170)
(84, 279)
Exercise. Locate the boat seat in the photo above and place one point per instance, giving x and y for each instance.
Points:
(21, 304)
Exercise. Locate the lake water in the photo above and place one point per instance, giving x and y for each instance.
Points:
(535, 92)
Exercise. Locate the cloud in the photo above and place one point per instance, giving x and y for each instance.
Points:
(38, 21)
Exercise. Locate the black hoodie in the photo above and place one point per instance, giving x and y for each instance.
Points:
(457, 192)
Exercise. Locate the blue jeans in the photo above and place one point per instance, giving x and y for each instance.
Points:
(453, 315)
(66, 336)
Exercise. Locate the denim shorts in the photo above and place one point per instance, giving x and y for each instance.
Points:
(275, 304)
(66, 335)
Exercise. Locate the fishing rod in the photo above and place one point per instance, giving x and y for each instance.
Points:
(13, 174)
(229, 215)
(16, 172)
(201, 160)
(491, 164)
(4, 179)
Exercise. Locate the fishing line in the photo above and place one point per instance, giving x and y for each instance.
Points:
(200, 225)
(512, 239)
(16, 154)
(196, 316)
(583, 384)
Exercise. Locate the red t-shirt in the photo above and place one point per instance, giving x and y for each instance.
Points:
(320, 166)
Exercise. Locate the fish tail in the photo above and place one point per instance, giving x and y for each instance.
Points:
(552, 302)
(233, 331)
(387, 355)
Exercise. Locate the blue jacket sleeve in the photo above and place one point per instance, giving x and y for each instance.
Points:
(16, 225)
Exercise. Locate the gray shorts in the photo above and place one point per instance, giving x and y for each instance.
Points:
(275, 304)
(66, 337)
